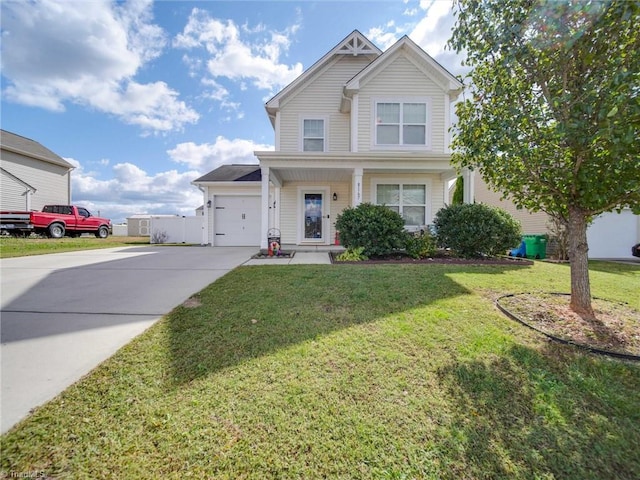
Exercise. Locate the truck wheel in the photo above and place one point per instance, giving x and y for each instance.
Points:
(102, 232)
(56, 230)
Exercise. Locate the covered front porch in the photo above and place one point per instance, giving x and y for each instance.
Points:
(302, 194)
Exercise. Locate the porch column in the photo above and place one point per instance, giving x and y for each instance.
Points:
(445, 193)
(468, 190)
(357, 187)
(264, 206)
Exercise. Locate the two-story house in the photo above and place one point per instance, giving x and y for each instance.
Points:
(360, 125)
(31, 175)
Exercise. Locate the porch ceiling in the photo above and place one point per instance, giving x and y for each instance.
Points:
(340, 167)
(337, 175)
(319, 175)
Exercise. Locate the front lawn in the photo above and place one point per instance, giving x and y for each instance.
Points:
(348, 371)
(20, 247)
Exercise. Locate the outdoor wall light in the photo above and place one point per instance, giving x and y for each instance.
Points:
(335, 196)
(208, 203)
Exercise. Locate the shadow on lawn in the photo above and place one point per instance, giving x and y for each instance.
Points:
(254, 311)
(608, 266)
(533, 414)
(616, 268)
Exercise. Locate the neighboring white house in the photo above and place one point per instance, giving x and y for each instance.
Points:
(612, 234)
(31, 175)
(360, 125)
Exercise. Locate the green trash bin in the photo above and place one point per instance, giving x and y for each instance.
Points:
(536, 246)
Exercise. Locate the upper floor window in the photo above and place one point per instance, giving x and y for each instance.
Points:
(313, 135)
(401, 123)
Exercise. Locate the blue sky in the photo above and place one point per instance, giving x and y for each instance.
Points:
(143, 97)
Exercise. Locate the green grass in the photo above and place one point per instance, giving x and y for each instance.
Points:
(19, 247)
(346, 371)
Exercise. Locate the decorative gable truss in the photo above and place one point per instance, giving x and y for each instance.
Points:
(356, 44)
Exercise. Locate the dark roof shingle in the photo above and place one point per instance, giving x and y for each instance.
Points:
(233, 173)
(19, 144)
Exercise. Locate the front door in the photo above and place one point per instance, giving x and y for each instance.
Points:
(313, 216)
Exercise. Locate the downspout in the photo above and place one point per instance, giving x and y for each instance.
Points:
(69, 195)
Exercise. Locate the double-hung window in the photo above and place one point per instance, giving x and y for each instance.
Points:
(313, 135)
(409, 200)
(403, 124)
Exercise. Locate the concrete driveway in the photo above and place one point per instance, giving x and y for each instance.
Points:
(65, 313)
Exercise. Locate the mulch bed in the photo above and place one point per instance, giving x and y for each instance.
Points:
(262, 255)
(615, 330)
(437, 259)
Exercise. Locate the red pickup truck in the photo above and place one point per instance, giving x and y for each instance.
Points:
(55, 221)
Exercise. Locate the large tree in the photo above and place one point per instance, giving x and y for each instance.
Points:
(553, 118)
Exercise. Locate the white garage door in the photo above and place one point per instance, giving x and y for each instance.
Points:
(611, 235)
(236, 221)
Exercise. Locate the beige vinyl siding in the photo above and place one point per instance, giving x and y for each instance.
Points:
(14, 195)
(289, 213)
(50, 181)
(437, 196)
(320, 97)
(401, 79)
(532, 223)
(344, 201)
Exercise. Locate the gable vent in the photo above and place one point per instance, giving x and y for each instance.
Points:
(356, 45)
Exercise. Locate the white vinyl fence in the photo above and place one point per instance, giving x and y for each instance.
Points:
(177, 229)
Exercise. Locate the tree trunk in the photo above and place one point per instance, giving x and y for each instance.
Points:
(578, 256)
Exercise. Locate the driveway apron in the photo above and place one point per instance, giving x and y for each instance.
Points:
(63, 314)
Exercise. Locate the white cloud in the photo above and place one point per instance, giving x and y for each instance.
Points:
(430, 27)
(131, 190)
(433, 31)
(88, 53)
(206, 156)
(239, 53)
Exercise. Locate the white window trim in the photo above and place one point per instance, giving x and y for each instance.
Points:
(428, 126)
(325, 120)
(406, 181)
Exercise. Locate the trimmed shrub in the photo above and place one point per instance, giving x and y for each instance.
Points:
(476, 230)
(376, 228)
(352, 255)
(421, 245)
